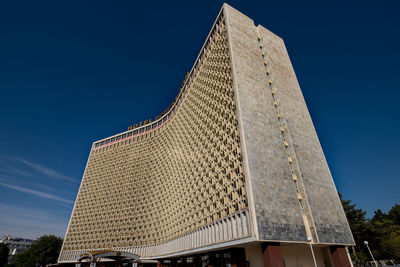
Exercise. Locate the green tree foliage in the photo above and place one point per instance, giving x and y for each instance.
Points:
(43, 251)
(387, 231)
(382, 232)
(358, 225)
(356, 218)
(3, 254)
(394, 214)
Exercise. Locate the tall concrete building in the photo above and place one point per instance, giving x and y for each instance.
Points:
(232, 172)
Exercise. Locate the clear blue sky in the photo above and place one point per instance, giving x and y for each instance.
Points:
(72, 72)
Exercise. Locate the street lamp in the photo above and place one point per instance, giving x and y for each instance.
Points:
(372, 256)
(312, 251)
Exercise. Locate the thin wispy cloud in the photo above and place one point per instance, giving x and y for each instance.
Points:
(13, 170)
(36, 193)
(31, 223)
(4, 178)
(45, 170)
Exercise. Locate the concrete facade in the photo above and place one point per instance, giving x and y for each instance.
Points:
(328, 216)
(279, 142)
(234, 162)
(276, 207)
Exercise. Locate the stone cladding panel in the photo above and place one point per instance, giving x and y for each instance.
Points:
(327, 213)
(276, 208)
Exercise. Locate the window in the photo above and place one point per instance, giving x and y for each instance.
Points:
(301, 205)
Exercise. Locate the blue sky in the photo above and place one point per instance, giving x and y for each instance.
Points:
(77, 71)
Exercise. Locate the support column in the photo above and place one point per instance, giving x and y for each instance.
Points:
(339, 257)
(181, 262)
(197, 260)
(272, 255)
(238, 257)
(211, 260)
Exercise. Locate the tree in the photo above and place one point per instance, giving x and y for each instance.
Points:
(382, 232)
(3, 254)
(378, 216)
(387, 232)
(394, 214)
(356, 219)
(358, 225)
(43, 251)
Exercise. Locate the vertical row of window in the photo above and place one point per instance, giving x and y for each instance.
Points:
(282, 124)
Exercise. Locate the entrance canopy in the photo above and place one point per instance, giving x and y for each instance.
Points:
(96, 256)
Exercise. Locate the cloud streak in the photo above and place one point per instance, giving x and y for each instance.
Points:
(12, 170)
(36, 193)
(31, 223)
(45, 170)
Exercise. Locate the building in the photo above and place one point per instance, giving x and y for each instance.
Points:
(15, 245)
(232, 172)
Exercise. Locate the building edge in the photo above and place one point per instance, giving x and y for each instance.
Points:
(249, 190)
(253, 236)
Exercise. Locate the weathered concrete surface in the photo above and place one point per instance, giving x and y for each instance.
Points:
(327, 212)
(277, 212)
(271, 189)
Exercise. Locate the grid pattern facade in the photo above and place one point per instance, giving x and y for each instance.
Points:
(159, 185)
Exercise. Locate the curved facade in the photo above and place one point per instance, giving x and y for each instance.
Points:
(184, 171)
(234, 160)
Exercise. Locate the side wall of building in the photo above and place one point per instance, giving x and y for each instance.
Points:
(230, 164)
(328, 216)
(272, 193)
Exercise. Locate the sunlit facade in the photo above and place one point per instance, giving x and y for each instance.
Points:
(232, 172)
